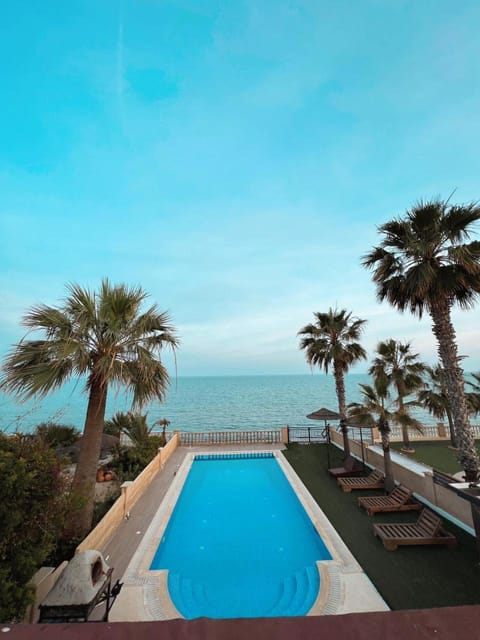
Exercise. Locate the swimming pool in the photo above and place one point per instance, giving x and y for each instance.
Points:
(239, 543)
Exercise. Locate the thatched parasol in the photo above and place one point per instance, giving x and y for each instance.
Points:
(325, 415)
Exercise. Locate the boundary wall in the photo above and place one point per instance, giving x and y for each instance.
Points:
(131, 492)
(420, 482)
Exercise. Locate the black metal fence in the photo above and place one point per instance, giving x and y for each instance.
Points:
(307, 435)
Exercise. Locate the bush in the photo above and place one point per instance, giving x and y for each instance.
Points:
(32, 512)
(128, 462)
(55, 435)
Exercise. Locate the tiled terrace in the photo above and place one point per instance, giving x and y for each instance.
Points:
(409, 578)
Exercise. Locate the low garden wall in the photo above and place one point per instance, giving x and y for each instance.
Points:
(420, 483)
(43, 582)
(131, 492)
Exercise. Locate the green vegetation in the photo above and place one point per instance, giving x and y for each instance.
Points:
(409, 578)
(32, 511)
(425, 263)
(107, 338)
(434, 398)
(54, 435)
(437, 455)
(332, 341)
(129, 461)
(395, 368)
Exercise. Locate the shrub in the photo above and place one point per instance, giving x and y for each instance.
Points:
(128, 462)
(32, 512)
(56, 435)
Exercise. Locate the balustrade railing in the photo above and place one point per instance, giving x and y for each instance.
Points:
(429, 432)
(191, 438)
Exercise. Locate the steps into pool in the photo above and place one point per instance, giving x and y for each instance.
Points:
(297, 595)
(299, 592)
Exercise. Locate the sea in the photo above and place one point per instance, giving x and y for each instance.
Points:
(213, 403)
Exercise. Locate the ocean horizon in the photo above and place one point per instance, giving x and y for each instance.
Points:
(201, 403)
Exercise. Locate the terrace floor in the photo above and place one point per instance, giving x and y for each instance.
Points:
(410, 578)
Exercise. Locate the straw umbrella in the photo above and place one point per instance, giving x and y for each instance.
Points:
(325, 415)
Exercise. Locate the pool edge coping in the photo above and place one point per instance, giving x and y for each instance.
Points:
(333, 573)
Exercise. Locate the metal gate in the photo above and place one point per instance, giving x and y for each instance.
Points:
(307, 435)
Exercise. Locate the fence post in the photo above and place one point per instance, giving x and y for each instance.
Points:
(285, 434)
(160, 458)
(442, 433)
(124, 489)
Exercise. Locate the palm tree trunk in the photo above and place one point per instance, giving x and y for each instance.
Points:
(447, 350)
(342, 405)
(405, 435)
(451, 426)
(387, 462)
(83, 486)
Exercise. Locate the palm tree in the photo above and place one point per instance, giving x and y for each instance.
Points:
(373, 411)
(398, 367)
(132, 424)
(164, 423)
(378, 408)
(424, 263)
(434, 399)
(473, 397)
(106, 337)
(332, 341)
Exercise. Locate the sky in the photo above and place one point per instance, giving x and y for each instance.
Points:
(234, 158)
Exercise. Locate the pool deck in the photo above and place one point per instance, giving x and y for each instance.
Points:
(144, 596)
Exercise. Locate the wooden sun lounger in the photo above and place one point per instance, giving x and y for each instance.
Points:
(399, 500)
(427, 530)
(373, 481)
(350, 468)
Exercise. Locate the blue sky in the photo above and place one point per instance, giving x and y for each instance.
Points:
(233, 158)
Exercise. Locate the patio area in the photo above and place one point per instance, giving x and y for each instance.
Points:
(409, 578)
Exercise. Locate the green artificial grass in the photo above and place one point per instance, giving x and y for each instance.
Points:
(435, 454)
(410, 578)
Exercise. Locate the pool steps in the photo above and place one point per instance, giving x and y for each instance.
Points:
(297, 595)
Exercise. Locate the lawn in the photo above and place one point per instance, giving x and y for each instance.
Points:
(409, 578)
(436, 454)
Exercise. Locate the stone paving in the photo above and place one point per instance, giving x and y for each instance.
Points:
(145, 594)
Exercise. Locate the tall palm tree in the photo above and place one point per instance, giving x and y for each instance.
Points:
(107, 338)
(378, 407)
(434, 399)
(333, 341)
(426, 262)
(400, 368)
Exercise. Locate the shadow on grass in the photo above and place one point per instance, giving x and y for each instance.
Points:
(438, 455)
(409, 578)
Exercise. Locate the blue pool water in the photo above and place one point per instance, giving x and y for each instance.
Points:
(239, 543)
